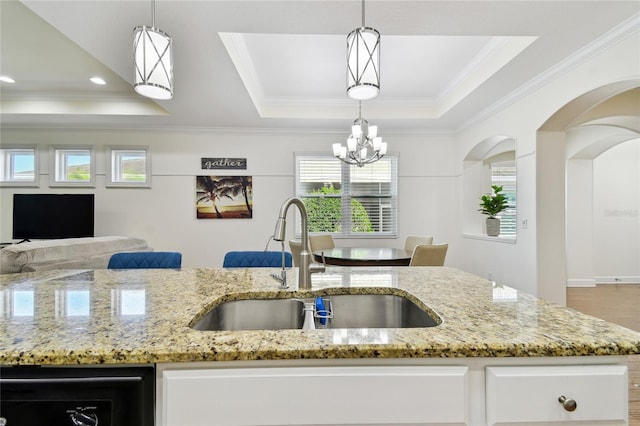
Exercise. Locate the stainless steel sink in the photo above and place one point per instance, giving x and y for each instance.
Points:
(254, 314)
(348, 311)
(377, 311)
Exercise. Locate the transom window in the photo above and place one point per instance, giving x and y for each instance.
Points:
(349, 201)
(73, 166)
(18, 166)
(128, 166)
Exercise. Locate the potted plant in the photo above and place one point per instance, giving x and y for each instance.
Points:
(492, 205)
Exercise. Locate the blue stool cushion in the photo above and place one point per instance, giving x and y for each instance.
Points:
(145, 260)
(256, 259)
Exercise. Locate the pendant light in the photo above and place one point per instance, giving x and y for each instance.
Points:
(153, 60)
(363, 62)
(364, 146)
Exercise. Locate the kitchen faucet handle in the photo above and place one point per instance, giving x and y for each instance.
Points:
(281, 278)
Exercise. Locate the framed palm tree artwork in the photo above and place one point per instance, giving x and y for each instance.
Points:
(224, 197)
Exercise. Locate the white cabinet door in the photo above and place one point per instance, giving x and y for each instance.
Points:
(316, 396)
(531, 394)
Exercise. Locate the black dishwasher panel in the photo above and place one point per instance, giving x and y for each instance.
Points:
(35, 396)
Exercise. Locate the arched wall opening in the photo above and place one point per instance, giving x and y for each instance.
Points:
(586, 171)
(491, 161)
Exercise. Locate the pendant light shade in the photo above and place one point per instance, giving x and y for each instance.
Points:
(363, 64)
(153, 61)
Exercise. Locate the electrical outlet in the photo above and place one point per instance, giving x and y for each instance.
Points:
(524, 223)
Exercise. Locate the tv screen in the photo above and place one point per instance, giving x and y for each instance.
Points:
(49, 216)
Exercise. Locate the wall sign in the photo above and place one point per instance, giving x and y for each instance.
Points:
(224, 163)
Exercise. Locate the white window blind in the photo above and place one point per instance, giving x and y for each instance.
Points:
(504, 174)
(349, 201)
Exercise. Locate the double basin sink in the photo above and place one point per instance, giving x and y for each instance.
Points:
(346, 311)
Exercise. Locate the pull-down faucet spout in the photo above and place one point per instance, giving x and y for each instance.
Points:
(307, 267)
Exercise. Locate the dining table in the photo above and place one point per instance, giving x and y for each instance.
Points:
(363, 256)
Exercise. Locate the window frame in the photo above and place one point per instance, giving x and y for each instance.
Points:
(508, 215)
(348, 194)
(119, 150)
(55, 171)
(7, 173)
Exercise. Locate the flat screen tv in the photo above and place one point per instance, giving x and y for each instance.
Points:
(50, 216)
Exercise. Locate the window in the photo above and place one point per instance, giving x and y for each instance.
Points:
(72, 166)
(504, 174)
(349, 201)
(128, 166)
(490, 162)
(18, 166)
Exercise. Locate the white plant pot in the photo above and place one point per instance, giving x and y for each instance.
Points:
(493, 226)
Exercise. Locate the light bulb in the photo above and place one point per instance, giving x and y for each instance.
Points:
(351, 143)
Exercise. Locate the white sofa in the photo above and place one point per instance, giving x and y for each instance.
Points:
(69, 253)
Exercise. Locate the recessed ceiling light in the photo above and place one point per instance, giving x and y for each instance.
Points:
(98, 80)
(6, 79)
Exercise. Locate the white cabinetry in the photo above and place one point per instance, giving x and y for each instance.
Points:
(595, 394)
(414, 391)
(385, 395)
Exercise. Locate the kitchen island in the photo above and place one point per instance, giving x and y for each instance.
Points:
(489, 336)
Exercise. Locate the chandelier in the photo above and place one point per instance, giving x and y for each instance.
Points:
(364, 146)
(363, 62)
(152, 56)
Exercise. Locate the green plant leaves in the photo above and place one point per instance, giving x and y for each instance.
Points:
(493, 204)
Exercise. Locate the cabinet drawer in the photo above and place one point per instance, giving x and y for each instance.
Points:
(531, 394)
(316, 396)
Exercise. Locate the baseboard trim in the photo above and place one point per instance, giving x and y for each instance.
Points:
(618, 280)
(581, 283)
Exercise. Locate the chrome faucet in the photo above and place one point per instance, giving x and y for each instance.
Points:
(307, 267)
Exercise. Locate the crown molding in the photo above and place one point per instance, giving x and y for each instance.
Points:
(626, 29)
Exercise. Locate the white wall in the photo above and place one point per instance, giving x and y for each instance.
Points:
(580, 223)
(518, 264)
(165, 214)
(616, 213)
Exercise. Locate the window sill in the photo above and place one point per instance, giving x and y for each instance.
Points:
(128, 185)
(507, 240)
(17, 184)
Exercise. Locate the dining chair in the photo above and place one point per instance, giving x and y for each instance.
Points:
(429, 255)
(256, 259)
(321, 242)
(413, 240)
(145, 260)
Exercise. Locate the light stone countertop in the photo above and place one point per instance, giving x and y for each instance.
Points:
(143, 316)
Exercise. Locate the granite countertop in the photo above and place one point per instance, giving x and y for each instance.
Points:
(143, 316)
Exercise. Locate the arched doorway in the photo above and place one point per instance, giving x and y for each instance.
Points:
(577, 133)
